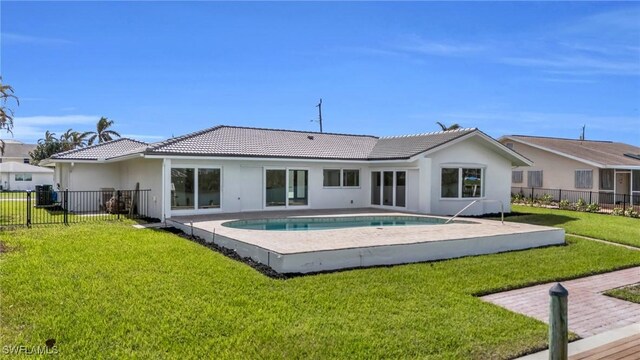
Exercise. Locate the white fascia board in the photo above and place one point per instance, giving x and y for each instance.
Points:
(263, 159)
(594, 164)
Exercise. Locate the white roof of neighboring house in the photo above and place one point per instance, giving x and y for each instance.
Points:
(16, 167)
(235, 141)
(603, 154)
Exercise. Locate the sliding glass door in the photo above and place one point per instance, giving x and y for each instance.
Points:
(276, 185)
(298, 187)
(388, 188)
(286, 187)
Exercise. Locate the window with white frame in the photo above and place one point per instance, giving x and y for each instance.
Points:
(516, 176)
(341, 178)
(331, 178)
(23, 177)
(195, 188)
(350, 177)
(534, 178)
(461, 183)
(584, 179)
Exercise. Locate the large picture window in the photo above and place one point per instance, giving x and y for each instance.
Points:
(341, 178)
(462, 183)
(534, 178)
(23, 177)
(584, 179)
(606, 179)
(351, 178)
(182, 188)
(516, 176)
(208, 188)
(331, 177)
(287, 187)
(450, 183)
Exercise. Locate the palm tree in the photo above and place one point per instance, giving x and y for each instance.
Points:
(102, 133)
(49, 137)
(447, 128)
(72, 139)
(6, 114)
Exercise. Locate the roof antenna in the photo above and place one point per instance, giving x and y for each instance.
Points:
(319, 106)
(582, 135)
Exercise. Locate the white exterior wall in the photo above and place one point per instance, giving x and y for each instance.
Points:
(472, 153)
(9, 182)
(236, 173)
(148, 173)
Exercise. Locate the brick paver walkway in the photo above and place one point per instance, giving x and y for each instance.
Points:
(590, 312)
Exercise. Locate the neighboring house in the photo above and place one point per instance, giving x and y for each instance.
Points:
(16, 151)
(584, 165)
(233, 169)
(19, 176)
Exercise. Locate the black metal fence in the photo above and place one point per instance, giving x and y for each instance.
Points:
(607, 201)
(45, 206)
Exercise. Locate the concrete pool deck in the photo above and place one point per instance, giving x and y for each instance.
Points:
(331, 249)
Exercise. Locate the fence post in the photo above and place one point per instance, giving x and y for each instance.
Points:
(532, 195)
(624, 202)
(590, 193)
(558, 323)
(560, 195)
(29, 208)
(65, 206)
(118, 203)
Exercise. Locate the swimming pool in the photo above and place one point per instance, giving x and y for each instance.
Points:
(326, 223)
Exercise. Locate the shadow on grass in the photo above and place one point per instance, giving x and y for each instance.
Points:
(540, 219)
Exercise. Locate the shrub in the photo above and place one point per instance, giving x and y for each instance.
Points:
(565, 205)
(593, 207)
(517, 198)
(581, 205)
(617, 212)
(630, 212)
(546, 199)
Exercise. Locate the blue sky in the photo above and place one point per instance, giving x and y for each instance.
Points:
(161, 69)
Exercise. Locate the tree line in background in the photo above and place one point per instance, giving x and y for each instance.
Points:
(71, 139)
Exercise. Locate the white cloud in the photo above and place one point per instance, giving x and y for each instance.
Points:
(13, 38)
(32, 128)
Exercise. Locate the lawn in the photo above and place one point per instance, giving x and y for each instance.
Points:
(620, 229)
(629, 293)
(108, 290)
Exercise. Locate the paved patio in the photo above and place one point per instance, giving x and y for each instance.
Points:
(590, 312)
(332, 249)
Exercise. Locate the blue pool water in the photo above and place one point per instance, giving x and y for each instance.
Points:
(325, 223)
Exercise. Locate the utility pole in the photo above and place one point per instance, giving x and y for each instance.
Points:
(319, 106)
(582, 136)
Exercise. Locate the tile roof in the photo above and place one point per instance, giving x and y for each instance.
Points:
(106, 150)
(16, 149)
(255, 142)
(235, 141)
(408, 145)
(606, 153)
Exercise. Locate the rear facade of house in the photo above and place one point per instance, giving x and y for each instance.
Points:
(237, 169)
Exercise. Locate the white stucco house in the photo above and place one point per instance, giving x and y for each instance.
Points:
(18, 176)
(235, 169)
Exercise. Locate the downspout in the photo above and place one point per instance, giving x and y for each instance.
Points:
(163, 190)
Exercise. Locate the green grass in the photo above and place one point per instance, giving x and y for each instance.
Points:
(108, 290)
(619, 229)
(629, 293)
